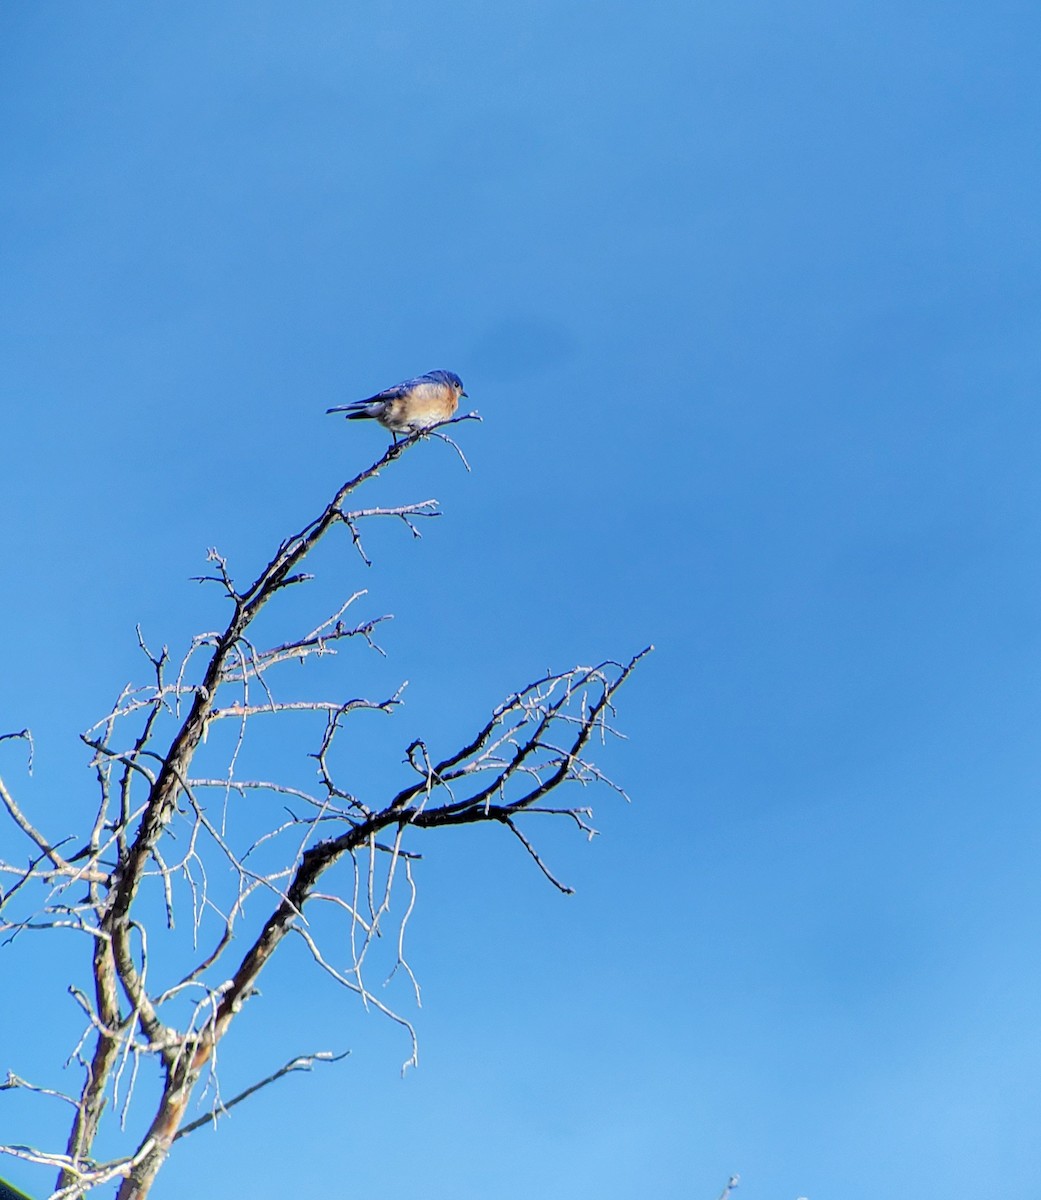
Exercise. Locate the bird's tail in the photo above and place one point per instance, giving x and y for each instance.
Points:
(355, 412)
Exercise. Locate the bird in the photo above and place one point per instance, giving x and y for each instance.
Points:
(410, 406)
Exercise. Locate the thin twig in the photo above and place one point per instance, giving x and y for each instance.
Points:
(304, 1062)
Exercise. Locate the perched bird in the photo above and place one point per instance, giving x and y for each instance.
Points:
(412, 405)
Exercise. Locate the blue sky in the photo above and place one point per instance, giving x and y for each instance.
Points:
(747, 295)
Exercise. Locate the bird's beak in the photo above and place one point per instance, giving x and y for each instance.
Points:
(464, 394)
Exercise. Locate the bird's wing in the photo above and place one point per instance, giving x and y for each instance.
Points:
(392, 393)
(388, 394)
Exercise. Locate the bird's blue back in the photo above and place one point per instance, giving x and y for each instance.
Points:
(406, 385)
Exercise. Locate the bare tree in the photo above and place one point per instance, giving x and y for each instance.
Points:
(243, 856)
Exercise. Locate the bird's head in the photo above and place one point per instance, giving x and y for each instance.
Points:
(449, 377)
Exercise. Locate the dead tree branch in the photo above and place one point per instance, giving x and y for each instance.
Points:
(243, 855)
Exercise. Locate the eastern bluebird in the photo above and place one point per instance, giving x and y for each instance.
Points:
(412, 405)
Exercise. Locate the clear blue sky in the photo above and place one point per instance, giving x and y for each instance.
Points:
(748, 296)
